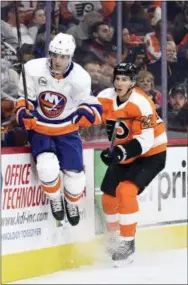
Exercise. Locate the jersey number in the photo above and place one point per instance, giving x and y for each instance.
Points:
(147, 122)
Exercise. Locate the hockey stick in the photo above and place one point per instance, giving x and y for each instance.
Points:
(111, 148)
(117, 123)
(20, 57)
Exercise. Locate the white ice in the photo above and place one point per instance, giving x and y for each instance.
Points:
(167, 267)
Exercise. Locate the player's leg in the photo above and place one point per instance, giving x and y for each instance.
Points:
(140, 174)
(48, 169)
(111, 208)
(111, 215)
(70, 155)
(126, 194)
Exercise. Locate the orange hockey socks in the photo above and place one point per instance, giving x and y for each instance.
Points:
(110, 207)
(126, 194)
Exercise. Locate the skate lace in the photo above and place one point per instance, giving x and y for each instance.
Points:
(112, 239)
(72, 210)
(124, 247)
(112, 242)
(56, 205)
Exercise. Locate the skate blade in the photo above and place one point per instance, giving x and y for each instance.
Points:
(123, 263)
(60, 223)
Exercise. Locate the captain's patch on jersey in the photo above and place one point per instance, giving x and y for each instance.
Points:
(51, 103)
(42, 81)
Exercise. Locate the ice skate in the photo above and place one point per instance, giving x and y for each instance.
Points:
(57, 208)
(72, 212)
(124, 253)
(111, 242)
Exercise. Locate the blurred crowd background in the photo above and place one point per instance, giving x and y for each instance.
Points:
(101, 43)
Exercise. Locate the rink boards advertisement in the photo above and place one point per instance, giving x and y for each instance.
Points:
(164, 201)
(38, 245)
(26, 221)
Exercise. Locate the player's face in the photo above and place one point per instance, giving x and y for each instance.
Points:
(177, 101)
(40, 17)
(59, 62)
(122, 84)
(145, 84)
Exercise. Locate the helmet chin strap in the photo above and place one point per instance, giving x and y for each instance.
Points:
(58, 73)
(128, 90)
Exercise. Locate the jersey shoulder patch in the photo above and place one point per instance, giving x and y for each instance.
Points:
(108, 93)
(141, 100)
(79, 77)
(35, 67)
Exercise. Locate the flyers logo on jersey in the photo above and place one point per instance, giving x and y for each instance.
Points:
(52, 104)
(122, 131)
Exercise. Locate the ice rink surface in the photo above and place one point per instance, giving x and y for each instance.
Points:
(167, 267)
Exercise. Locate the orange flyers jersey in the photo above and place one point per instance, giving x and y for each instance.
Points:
(139, 120)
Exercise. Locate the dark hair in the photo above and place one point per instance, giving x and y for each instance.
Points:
(178, 88)
(128, 69)
(11, 7)
(42, 29)
(35, 11)
(27, 49)
(95, 27)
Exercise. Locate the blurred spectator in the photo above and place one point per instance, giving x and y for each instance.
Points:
(152, 42)
(180, 24)
(27, 52)
(9, 79)
(139, 57)
(7, 35)
(78, 9)
(8, 52)
(131, 39)
(132, 47)
(102, 38)
(134, 18)
(171, 52)
(145, 81)
(81, 31)
(99, 79)
(38, 19)
(11, 15)
(154, 12)
(39, 46)
(153, 52)
(9, 43)
(7, 116)
(11, 134)
(178, 108)
(110, 56)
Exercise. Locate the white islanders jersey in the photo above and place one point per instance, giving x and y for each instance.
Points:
(56, 100)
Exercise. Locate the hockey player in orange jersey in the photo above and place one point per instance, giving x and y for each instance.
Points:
(138, 155)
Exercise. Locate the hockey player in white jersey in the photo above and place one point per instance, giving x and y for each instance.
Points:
(60, 100)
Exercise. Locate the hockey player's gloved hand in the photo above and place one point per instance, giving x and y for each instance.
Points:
(86, 111)
(30, 123)
(118, 155)
(26, 119)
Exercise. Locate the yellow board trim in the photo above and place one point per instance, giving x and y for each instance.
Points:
(48, 260)
(163, 238)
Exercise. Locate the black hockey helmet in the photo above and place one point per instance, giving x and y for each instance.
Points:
(178, 88)
(127, 69)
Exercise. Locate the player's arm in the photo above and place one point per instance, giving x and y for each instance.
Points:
(143, 140)
(89, 109)
(144, 120)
